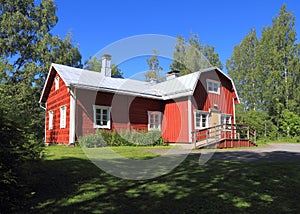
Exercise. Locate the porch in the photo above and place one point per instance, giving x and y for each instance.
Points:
(224, 136)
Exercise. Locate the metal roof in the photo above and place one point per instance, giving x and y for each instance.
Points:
(85, 79)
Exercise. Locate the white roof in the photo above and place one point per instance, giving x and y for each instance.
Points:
(169, 89)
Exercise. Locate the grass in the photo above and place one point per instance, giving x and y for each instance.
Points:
(280, 140)
(67, 182)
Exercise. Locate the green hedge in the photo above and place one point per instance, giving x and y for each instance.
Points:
(104, 138)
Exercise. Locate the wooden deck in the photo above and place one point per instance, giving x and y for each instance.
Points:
(225, 136)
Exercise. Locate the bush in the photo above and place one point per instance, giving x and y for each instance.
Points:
(260, 121)
(290, 124)
(124, 138)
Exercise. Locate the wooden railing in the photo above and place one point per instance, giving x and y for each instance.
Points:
(224, 131)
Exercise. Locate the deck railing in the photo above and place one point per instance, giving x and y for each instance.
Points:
(224, 131)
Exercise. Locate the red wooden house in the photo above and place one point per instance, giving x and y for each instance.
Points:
(79, 101)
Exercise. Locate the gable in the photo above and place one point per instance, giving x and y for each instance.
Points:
(50, 83)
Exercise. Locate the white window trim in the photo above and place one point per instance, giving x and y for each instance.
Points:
(51, 117)
(224, 118)
(63, 117)
(56, 83)
(213, 82)
(195, 119)
(108, 125)
(159, 119)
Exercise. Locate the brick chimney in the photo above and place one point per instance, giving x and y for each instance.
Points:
(105, 65)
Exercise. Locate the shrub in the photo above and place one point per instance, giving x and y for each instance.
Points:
(92, 140)
(260, 121)
(290, 124)
(124, 138)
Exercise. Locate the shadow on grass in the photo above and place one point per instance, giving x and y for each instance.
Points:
(75, 185)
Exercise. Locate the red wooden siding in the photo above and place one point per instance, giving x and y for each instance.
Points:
(138, 112)
(55, 100)
(235, 143)
(175, 122)
(204, 101)
(126, 112)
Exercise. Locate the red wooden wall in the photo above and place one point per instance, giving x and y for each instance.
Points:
(204, 101)
(127, 112)
(55, 100)
(175, 122)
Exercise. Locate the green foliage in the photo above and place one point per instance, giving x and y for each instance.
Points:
(154, 67)
(191, 56)
(266, 70)
(258, 120)
(290, 124)
(94, 64)
(243, 68)
(27, 50)
(104, 138)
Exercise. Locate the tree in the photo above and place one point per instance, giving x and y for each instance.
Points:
(191, 56)
(243, 67)
(267, 70)
(154, 67)
(94, 64)
(27, 50)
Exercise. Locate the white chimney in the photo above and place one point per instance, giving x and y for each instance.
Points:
(172, 75)
(153, 81)
(105, 65)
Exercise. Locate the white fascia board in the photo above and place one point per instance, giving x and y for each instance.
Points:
(47, 79)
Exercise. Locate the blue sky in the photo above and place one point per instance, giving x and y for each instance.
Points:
(95, 24)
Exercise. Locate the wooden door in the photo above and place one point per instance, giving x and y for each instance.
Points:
(214, 120)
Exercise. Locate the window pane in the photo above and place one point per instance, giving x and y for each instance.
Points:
(154, 120)
(210, 87)
(203, 120)
(216, 87)
(98, 122)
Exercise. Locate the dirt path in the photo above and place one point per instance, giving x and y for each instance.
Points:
(271, 152)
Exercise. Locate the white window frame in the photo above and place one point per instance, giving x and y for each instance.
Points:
(226, 119)
(156, 125)
(214, 85)
(56, 83)
(199, 125)
(63, 116)
(108, 108)
(51, 117)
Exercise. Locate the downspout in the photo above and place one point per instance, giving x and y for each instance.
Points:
(44, 122)
(72, 115)
(190, 118)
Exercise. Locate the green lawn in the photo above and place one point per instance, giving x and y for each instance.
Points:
(67, 182)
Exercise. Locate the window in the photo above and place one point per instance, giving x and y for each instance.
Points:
(51, 114)
(213, 86)
(201, 119)
(226, 119)
(154, 120)
(101, 117)
(56, 82)
(63, 115)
